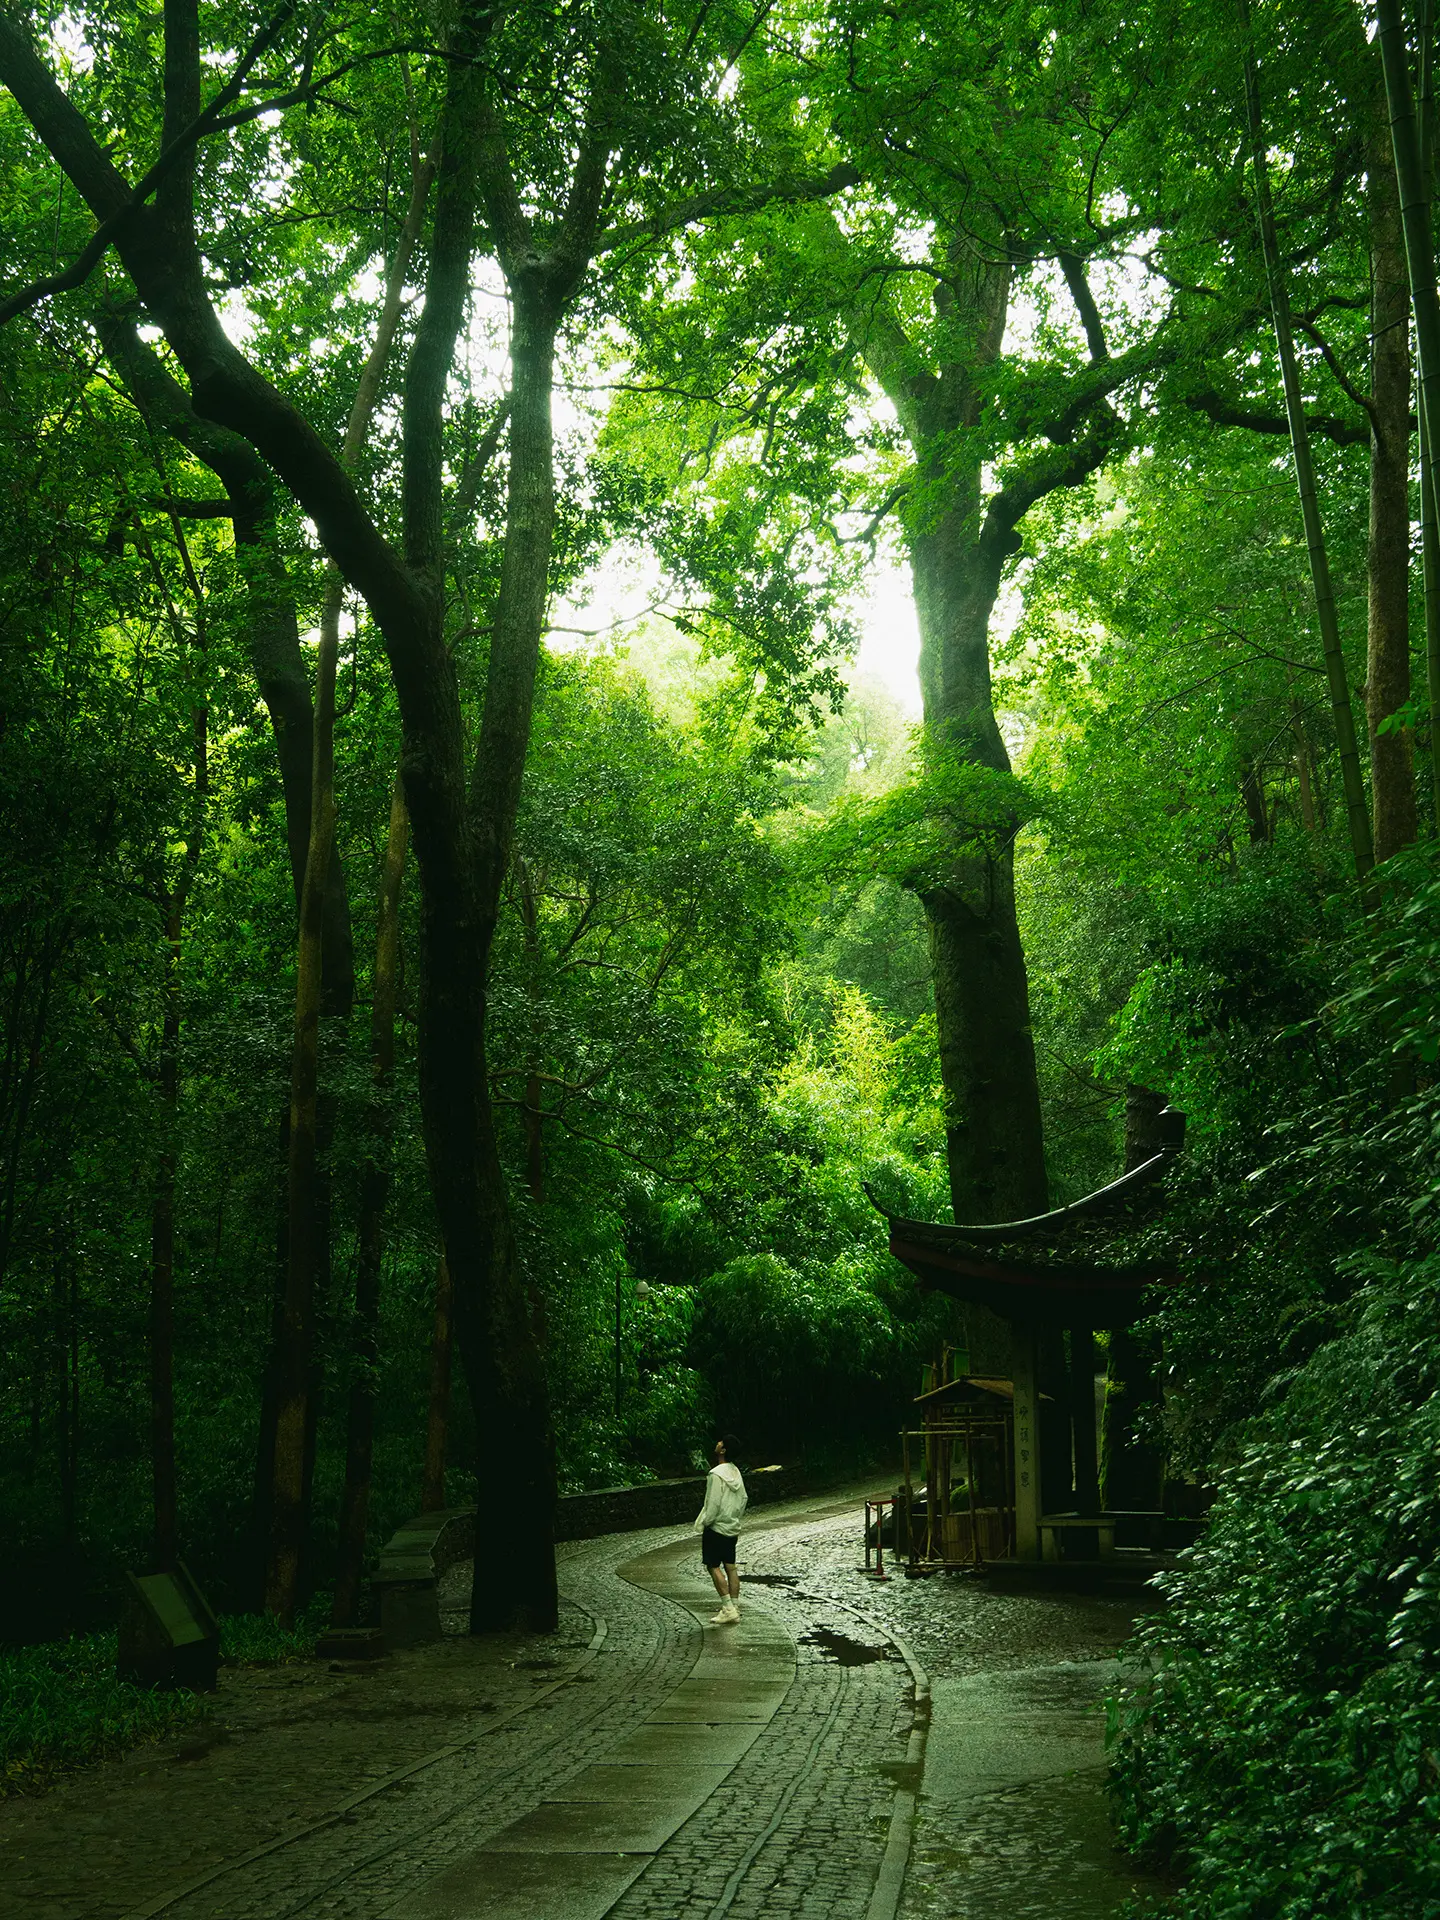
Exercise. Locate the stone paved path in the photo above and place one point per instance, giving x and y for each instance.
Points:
(1010, 1822)
(645, 1765)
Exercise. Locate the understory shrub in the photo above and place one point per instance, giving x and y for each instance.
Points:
(796, 1351)
(1279, 1739)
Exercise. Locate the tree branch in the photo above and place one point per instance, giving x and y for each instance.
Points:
(1073, 268)
(185, 509)
(447, 289)
(1347, 387)
(174, 195)
(1230, 413)
(721, 202)
(575, 247)
(462, 501)
(1047, 472)
(101, 185)
(872, 526)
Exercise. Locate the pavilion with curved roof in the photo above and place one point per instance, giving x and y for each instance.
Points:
(1073, 1268)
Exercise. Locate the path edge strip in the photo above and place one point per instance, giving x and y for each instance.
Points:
(900, 1840)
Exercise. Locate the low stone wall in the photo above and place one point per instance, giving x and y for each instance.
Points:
(404, 1587)
(662, 1503)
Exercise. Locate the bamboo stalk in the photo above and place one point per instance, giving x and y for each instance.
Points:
(1429, 522)
(1406, 143)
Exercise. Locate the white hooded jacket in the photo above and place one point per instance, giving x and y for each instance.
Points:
(725, 1501)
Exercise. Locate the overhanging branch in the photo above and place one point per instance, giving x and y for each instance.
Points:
(74, 146)
(1231, 413)
(722, 202)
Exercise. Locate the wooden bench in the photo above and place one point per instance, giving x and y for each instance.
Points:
(1103, 1525)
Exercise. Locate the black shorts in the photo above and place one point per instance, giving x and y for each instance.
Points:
(717, 1549)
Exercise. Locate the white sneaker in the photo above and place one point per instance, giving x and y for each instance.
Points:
(727, 1616)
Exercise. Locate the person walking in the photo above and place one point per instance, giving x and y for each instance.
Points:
(718, 1526)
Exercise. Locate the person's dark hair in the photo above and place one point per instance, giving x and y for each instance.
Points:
(731, 1446)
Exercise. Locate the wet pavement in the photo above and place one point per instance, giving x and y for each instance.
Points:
(1010, 1818)
(854, 1751)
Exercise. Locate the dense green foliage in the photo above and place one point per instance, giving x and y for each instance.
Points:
(1281, 1749)
(61, 1706)
(869, 285)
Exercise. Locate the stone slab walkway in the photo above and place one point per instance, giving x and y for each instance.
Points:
(596, 1832)
(1010, 1819)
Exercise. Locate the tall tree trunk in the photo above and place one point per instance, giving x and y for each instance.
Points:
(495, 1318)
(263, 1488)
(994, 1132)
(1304, 761)
(273, 639)
(162, 1244)
(162, 1262)
(1356, 812)
(297, 1411)
(1387, 688)
(1252, 792)
(288, 1508)
(437, 1424)
(272, 631)
(532, 1111)
(374, 1195)
(65, 1296)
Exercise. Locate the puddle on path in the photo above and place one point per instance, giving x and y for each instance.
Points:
(840, 1648)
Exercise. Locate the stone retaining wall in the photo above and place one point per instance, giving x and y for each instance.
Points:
(404, 1587)
(663, 1503)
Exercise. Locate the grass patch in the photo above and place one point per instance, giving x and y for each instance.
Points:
(62, 1706)
(259, 1640)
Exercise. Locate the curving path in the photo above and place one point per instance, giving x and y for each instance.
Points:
(647, 1765)
(600, 1828)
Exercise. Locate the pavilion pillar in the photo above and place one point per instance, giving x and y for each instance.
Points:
(1025, 1374)
(1052, 1413)
(1082, 1415)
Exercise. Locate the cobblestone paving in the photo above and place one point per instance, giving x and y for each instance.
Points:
(954, 1623)
(800, 1826)
(1039, 1850)
(288, 1746)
